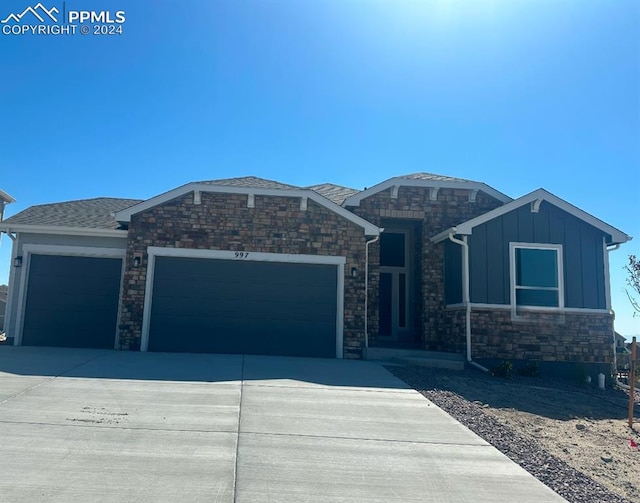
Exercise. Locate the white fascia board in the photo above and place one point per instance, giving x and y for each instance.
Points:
(444, 235)
(65, 231)
(617, 236)
(6, 197)
(125, 215)
(355, 199)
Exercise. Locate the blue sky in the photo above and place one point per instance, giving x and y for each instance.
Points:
(517, 94)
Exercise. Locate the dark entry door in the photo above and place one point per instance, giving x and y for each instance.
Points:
(395, 288)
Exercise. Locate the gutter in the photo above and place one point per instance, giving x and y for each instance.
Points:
(366, 290)
(62, 230)
(466, 297)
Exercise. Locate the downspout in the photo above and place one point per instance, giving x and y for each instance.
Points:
(366, 291)
(10, 292)
(466, 297)
(613, 314)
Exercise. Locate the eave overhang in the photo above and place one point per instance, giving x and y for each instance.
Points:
(62, 230)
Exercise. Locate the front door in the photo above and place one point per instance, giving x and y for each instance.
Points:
(395, 285)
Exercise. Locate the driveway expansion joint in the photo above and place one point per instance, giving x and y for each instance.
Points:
(235, 465)
(365, 439)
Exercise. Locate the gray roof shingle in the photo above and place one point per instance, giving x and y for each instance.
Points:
(97, 213)
(433, 176)
(84, 213)
(335, 193)
(250, 181)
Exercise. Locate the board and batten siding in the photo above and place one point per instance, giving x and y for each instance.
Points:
(582, 250)
(452, 273)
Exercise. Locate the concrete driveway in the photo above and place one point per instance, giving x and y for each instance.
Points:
(89, 425)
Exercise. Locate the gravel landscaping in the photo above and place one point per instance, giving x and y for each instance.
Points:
(573, 439)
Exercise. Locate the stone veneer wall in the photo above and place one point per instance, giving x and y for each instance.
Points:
(542, 336)
(452, 207)
(223, 222)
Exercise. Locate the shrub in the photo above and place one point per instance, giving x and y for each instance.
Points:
(531, 369)
(502, 369)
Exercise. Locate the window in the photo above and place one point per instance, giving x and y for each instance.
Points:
(536, 275)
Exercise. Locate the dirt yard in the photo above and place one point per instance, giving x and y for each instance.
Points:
(545, 425)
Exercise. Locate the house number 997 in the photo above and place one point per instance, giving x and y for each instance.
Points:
(241, 254)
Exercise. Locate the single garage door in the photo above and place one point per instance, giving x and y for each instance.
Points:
(229, 306)
(72, 301)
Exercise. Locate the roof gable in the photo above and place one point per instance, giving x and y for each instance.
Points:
(288, 191)
(430, 180)
(534, 198)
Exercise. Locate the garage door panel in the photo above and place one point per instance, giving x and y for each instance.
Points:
(209, 305)
(237, 335)
(72, 301)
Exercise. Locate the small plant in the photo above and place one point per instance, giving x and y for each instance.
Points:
(502, 369)
(531, 369)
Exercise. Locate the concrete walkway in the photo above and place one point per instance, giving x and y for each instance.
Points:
(89, 425)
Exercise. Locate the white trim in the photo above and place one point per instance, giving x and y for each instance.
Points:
(66, 231)
(394, 191)
(197, 200)
(6, 197)
(355, 199)
(251, 200)
(77, 251)
(550, 310)
(473, 194)
(303, 203)
(535, 206)
(433, 193)
(155, 251)
(126, 214)
(617, 236)
(513, 246)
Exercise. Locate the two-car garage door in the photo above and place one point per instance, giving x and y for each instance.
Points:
(243, 306)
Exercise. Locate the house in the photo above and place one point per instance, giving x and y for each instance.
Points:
(248, 265)
(621, 343)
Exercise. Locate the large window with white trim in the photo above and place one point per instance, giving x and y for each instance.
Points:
(536, 275)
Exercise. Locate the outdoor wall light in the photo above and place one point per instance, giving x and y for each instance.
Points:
(17, 262)
(137, 259)
(354, 272)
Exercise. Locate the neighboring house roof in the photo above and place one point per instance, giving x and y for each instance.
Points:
(534, 198)
(251, 186)
(95, 213)
(335, 193)
(430, 180)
